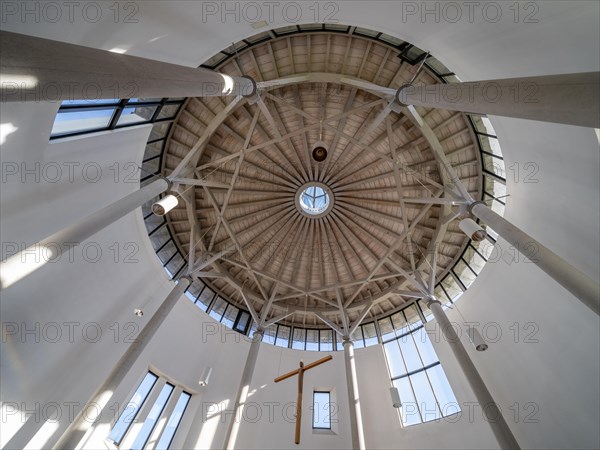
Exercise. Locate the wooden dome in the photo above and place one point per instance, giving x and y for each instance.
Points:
(256, 154)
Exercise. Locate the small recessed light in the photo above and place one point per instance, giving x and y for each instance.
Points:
(260, 24)
(138, 312)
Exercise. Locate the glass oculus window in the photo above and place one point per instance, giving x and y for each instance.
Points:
(314, 199)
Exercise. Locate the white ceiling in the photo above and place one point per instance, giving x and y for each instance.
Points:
(565, 39)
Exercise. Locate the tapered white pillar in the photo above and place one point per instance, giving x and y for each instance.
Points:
(580, 285)
(492, 413)
(103, 394)
(21, 264)
(570, 98)
(356, 425)
(36, 69)
(242, 393)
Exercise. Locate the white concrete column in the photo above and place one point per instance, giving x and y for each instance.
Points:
(36, 69)
(103, 394)
(492, 413)
(580, 285)
(21, 264)
(570, 98)
(356, 424)
(242, 394)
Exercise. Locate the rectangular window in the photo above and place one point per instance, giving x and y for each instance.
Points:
(206, 296)
(133, 407)
(242, 322)
(283, 336)
(322, 410)
(416, 372)
(357, 338)
(230, 315)
(157, 422)
(153, 416)
(312, 340)
(298, 338)
(218, 309)
(326, 341)
(269, 336)
(167, 436)
(370, 334)
(76, 117)
(83, 120)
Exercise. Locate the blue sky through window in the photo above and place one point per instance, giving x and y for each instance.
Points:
(314, 200)
(128, 415)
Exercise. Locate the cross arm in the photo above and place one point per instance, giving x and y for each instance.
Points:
(287, 375)
(316, 363)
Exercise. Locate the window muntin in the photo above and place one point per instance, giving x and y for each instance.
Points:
(321, 410)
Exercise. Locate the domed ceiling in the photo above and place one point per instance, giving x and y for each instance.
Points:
(307, 237)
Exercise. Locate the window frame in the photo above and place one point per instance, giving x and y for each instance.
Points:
(321, 392)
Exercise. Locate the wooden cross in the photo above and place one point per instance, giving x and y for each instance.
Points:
(300, 372)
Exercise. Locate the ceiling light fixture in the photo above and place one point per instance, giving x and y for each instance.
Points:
(472, 229)
(396, 403)
(476, 339)
(319, 151)
(164, 205)
(205, 376)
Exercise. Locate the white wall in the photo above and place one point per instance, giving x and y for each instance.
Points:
(276, 430)
(187, 343)
(560, 372)
(190, 340)
(69, 296)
